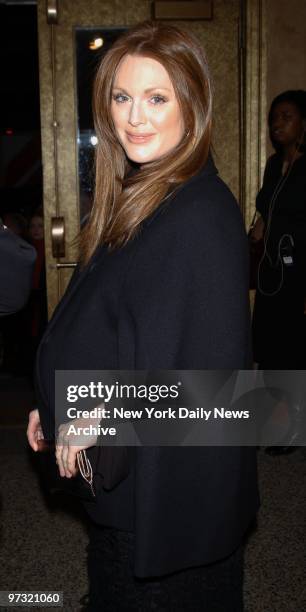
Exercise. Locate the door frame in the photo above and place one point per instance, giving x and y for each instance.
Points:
(253, 104)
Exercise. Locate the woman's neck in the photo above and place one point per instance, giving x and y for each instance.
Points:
(291, 153)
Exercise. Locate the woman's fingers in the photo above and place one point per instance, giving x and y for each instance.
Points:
(66, 460)
(39, 434)
(59, 460)
(71, 460)
(68, 446)
(66, 456)
(34, 431)
(60, 451)
(65, 451)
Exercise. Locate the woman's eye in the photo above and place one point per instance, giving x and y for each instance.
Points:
(120, 98)
(158, 99)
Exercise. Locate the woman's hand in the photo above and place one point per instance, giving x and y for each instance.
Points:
(70, 443)
(258, 230)
(34, 430)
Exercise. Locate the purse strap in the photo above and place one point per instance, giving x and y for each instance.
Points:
(85, 469)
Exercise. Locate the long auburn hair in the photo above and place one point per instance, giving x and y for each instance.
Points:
(122, 202)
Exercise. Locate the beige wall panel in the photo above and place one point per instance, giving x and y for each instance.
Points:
(45, 79)
(103, 12)
(220, 40)
(255, 104)
(286, 47)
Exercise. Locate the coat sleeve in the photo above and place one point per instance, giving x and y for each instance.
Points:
(187, 304)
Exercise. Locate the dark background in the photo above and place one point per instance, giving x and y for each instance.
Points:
(20, 145)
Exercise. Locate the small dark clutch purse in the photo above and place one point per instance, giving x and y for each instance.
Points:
(99, 467)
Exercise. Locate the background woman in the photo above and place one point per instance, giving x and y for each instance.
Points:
(39, 292)
(278, 321)
(162, 284)
(278, 318)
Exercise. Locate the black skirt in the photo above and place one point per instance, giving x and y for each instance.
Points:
(279, 322)
(114, 588)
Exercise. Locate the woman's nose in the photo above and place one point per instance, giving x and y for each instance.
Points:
(277, 122)
(137, 114)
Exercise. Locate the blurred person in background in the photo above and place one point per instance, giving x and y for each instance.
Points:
(278, 317)
(17, 260)
(278, 320)
(17, 223)
(37, 310)
(23, 330)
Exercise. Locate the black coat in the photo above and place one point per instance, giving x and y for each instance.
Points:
(176, 297)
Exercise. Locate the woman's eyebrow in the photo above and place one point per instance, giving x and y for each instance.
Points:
(148, 90)
(120, 88)
(154, 88)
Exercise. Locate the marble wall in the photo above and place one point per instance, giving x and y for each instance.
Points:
(286, 47)
(220, 40)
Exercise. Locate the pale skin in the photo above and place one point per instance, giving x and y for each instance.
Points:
(146, 113)
(149, 124)
(67, 446)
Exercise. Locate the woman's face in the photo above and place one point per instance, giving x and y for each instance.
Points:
(36, 228)
(286, 126)
(145, 111)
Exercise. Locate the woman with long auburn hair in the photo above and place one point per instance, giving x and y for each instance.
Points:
(121, 203)
(162, 285)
